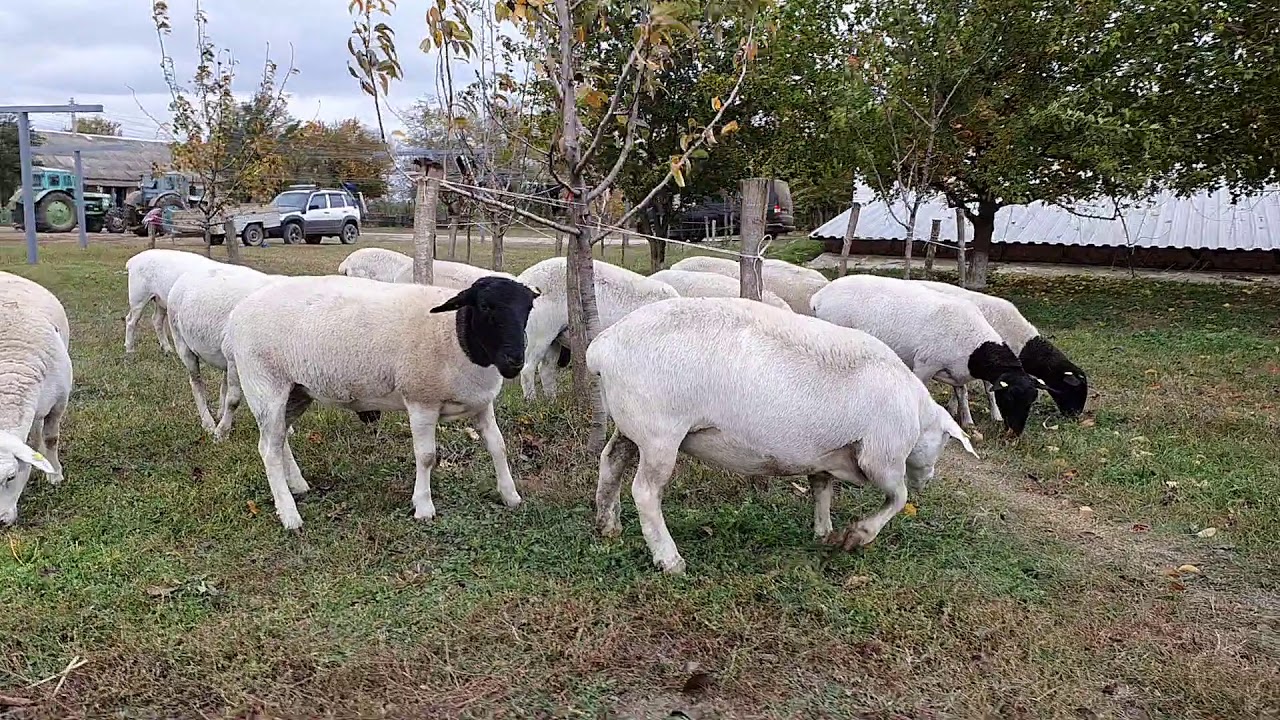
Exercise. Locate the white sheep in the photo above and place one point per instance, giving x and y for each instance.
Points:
(794, 284)
(801, 398)
(1064, 380)
(375, 264)
(618, 292)
(366, 345)
(35, 370)
(937, 336)
(449, 274)
(705, 284)
(198, 305)
(152, 274)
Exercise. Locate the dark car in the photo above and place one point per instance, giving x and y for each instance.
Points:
(696, 222)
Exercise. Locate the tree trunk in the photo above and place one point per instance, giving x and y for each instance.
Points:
(498, 235)
(657, 248)
(233, 242)
(453, 237)
(984, 226)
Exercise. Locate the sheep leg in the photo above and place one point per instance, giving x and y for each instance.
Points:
(422, 423)
(50, 440)
(297, 404)
(953, 402)
(991, 401)
(547, 372)
(487, 425)
(822, 488)
(198, 389)
(230, 400)
(160, 321)
(618, 454)
(10, 492)
(657, 461)
(966, 417)
(131, 320)
(889, 475)
(272, 445)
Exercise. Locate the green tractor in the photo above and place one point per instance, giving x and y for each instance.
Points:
(169, 190)
(54, 194)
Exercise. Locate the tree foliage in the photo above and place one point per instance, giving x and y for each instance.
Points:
(10, 159)
(332, 153)
(96, 125)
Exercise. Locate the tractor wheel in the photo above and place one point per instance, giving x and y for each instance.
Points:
(56, 211)
(114, 221)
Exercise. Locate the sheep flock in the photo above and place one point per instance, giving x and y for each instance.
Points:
(823, 379)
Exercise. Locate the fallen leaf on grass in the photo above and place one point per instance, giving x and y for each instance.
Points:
(161, 591)
(1051, 449)
(1088, 423)
(1177, 586)
(1207, 532)
(856, 581)
(253, 507)
(910, 510)
(471, 433)
(800, 488)
(1141, 527)
(314, 437)
(13, 549)
(1188, 570)
(1086, 511)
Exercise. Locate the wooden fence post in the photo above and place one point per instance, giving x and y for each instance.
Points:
(424, 224)
(559, 243)
(934, 233)
(624, 248)
(229, 237)
(960, 265)
(453, 237)
(850, 229)
(151, 235)
(755, 193)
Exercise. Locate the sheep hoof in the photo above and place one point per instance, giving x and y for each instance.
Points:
(424, 514)
(291, 520)
(56, 479)
(671, 567)
(610, 530)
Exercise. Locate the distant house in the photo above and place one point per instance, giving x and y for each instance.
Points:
(1203, 231)
(116, 170)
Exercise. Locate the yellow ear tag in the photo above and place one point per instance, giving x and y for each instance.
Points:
(37, 456)
(1004, 384)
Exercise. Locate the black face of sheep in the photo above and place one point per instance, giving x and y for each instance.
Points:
(1015, 393)
(491, 317)
(1065, 381)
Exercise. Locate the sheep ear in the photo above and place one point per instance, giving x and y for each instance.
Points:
(456, 302)
(20, 450)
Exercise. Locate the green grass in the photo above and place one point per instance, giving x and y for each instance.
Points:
(160, 561)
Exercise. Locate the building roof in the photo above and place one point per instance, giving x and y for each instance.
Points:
(1208, 220)
(122, 163)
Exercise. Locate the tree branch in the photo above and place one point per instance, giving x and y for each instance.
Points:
(632, 116)
(531, 217)
(613, 103)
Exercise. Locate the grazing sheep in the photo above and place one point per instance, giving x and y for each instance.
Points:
(152, 274)
(449, 274)
(365, 345)
(803, 398)
(792, 283)
(35, 370)
(199, 304)
(704, 284)
(375, 264)
(1065, 381)
(618, 292)
(936, 335)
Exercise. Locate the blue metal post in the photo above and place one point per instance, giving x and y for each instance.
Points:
(84, 237)
(28, 194)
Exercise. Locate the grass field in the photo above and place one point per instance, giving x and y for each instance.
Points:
(1039, 581)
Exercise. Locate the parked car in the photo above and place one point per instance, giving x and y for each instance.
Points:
(694, 223)
(310, 214)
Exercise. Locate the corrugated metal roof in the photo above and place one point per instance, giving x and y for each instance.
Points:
(1208, 220)
(117, 167)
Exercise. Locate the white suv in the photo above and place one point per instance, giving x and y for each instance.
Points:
(309, 214)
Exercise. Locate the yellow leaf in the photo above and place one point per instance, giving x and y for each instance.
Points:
(1189, 570)
(716, 104)
(521, 12)
(582, 34)
(729, 127)
(910, 510)
(1207, 532)
(253, 507)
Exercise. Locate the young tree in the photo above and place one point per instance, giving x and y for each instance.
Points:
(332, 153)
(597, 103)
(227, 146)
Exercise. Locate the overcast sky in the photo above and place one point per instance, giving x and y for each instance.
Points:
(102, 48)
